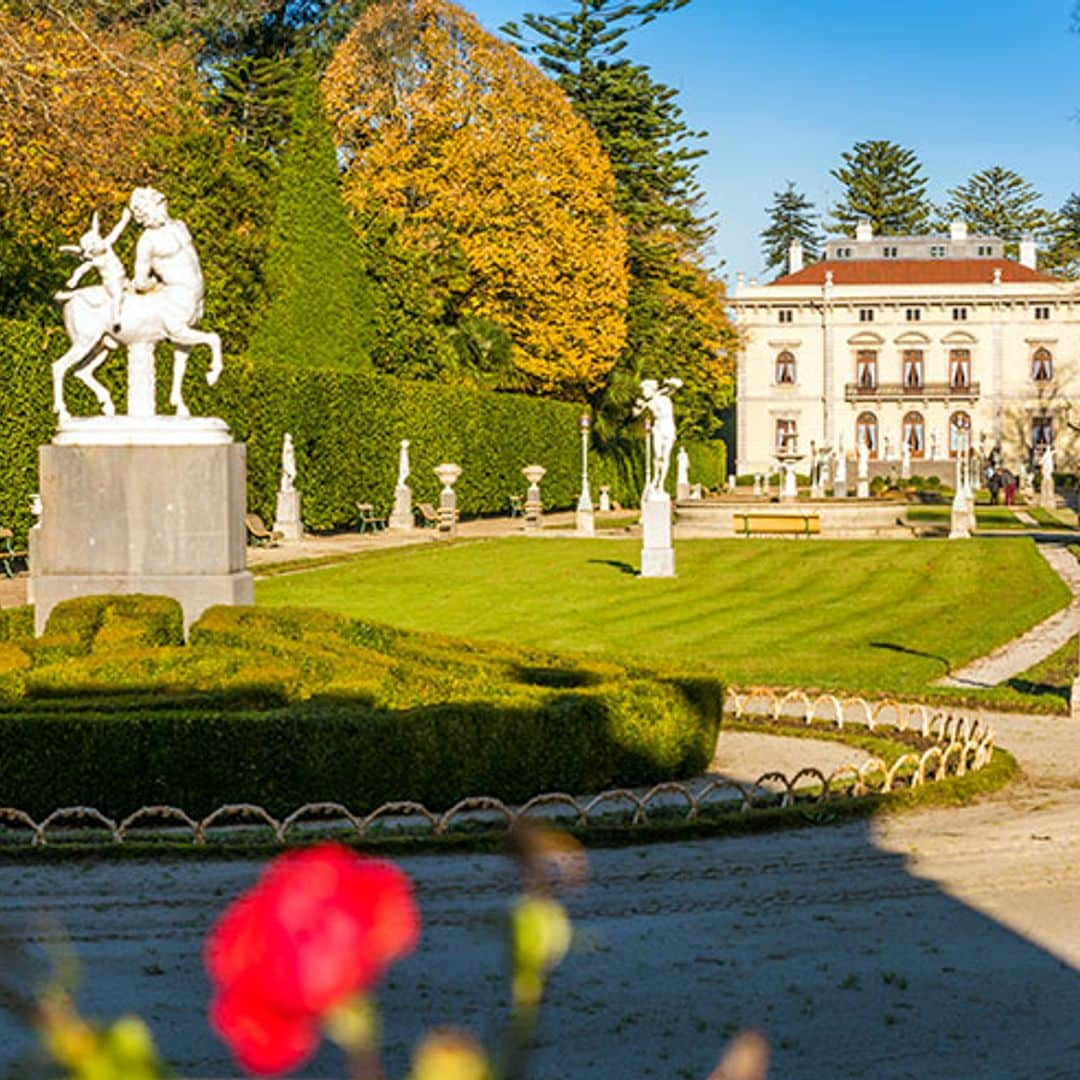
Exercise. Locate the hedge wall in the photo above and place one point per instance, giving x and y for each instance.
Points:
(346, 427)
(286, 706)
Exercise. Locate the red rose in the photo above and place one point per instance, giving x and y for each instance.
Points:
(320, 926)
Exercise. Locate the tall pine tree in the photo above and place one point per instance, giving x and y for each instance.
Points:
(998, 202)
(320, 301)
(791, 218)
(675, 319)
(1062, 255)
(884, 185)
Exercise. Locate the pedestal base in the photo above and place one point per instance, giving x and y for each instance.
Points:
(960, 523)
(1074, 700)
(401, 518)
(682, 492)
(287, 521)
(862, 490)
(141, 518)
(585, 522)
(657, 554)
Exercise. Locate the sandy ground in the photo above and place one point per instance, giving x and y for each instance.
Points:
(942, 943)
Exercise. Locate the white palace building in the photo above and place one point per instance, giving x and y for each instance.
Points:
(910, 339)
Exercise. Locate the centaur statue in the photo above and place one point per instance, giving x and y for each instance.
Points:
(162, 302)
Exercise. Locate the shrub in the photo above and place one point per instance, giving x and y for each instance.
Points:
(286, 706)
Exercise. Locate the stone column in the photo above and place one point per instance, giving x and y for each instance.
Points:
(448, 514)
(534, 507)
(584, 518)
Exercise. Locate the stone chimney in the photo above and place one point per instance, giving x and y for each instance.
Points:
(1028, 252)
(958, 230)
(795, 257)
(864, 232)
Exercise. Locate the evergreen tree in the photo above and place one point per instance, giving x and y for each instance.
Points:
(320, 300)
(1062, 255)
(998, 202)
(791, 218)
(675, 319)
(884, 185)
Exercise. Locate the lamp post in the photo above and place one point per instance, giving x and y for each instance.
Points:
(584, 519)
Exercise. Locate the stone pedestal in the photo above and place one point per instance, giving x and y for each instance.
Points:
(960, 520)
(682, 492)
(1074, 700)
(534, 506)
(152, 509)
(401, 517)
(657, 553)
(287, 519)
(862, 489)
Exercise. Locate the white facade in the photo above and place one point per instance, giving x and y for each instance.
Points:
(907, 339)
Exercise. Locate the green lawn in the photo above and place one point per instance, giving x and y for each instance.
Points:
(986, 517)
(875, 616)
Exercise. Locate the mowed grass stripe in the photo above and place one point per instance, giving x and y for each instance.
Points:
(857, 615)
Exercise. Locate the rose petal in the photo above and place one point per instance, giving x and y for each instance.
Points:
(264, 1040)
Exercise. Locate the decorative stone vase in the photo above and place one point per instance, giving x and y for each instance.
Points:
(447, 473)
(534, 508)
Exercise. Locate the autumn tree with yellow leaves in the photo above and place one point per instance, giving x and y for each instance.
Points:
(78, 110)
(483, 164)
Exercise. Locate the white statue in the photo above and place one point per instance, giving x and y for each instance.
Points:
(97, 254)
(933, 445)
(403, 464)
(288, 464)
(682, 467)
(864, 458)
(165, 304)
(1046, 462)
(657, 399)
(905, 460)
(888, 448)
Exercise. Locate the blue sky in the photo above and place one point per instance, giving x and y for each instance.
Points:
(784, 87)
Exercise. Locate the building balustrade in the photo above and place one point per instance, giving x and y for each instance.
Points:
(931, 391)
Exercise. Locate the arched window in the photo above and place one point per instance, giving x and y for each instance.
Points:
(959, 369)
(1042, 365)
(913, 369)
(959, 426)
(785, 368)
(866, 369)
(914, 434)
(866, 432)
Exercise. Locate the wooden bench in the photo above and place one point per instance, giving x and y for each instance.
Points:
(778, 523)
(368, 521)
(259, 534)
(9, 553)
(427, 516)
(516, 505)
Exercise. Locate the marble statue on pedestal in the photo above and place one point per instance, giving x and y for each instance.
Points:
(135, 502)
(862, 477)
(682, 474)
(1047, 494)
(287, 520)
(657, 553)
(162, 301)
(401, 517)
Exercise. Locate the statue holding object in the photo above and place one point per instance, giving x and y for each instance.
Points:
(656, 398)
(162, 302)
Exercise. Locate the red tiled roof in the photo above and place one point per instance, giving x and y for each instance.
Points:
(912, 272)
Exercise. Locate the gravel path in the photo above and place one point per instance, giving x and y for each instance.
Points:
(1039, 642)
(938, 944)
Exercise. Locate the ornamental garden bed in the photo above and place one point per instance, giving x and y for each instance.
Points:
(284, 706)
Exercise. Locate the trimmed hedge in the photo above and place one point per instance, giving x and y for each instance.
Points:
(346, 426)
(284, 706)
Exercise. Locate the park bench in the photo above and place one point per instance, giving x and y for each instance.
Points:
(259, 534)
(778, 523)
(516, 505)
(368, 521)
(427, 515)
(9, 554)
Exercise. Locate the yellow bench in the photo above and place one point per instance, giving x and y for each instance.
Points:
(778, 524)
